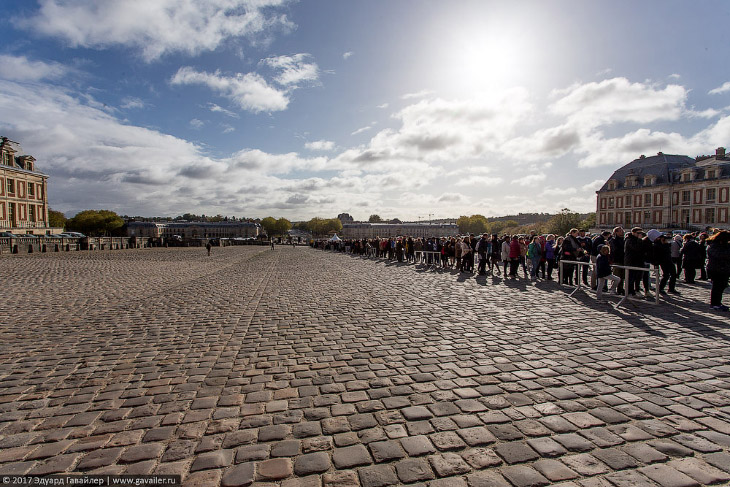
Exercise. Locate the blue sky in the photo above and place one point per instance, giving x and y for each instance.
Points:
(403, 108)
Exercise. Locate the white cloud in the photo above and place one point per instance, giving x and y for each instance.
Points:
(552, 191)
(362, 129)
(293, 70)
(418, 94)
(130, 102)
(196, 124)
(675, 76)
(347, 55)
(227, 129)
(250, 91)
(20, 68)
(618, 100)
(156, 27)
(720, 89)
(529, 180)
(320, 145)
(479, 181)
(384, 105)
(594, 185)
(215, 108)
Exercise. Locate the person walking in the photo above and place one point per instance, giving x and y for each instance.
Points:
(208, 247)
(718, 267)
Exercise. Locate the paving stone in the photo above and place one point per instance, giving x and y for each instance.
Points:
(524, 476)
(547, 447)
(447, 440)
(274, 469)
(312, 463)
(214, 459)
(700, 471)
(644, 453)
(138, 453)
(487, 479)
(584, 464)
(666, 476)
(377, 476)
(515, 452)
(554, 470)
(99, 458)
(448, 464)
(615, 458)
(385, 451)
(57, 464)
(351, 456)
(629, 478)
(417, 445)
(414, 470)
(239, 475)
(286, 448)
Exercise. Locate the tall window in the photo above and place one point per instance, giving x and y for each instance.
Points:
(709, 215)
(647, 216)
(686, 197)
(647, 199)
(710, 194)
(31, 190)
(10, 186)
(31, 213)
(628, 202)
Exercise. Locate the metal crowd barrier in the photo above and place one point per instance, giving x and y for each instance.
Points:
(626, 279)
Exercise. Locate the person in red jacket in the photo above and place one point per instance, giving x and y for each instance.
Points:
(514, 256)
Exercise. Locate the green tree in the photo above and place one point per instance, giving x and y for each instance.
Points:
(324, 226)
(269, 226)
(589, 222)
(282, 226)
(476, 224)
(375, 219)
(96, 222)
(56, 218)
(561, 223)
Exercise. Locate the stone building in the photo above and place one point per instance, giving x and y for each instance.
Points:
(667, 191)
(23, 193)
(372, 230)
(193, 230)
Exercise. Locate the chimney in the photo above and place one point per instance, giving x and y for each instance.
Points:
(720, 153)
(642, 156)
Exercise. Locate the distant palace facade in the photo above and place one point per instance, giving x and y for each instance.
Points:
(193, 230)
(385, 230)
(23, 193)
(667, 191)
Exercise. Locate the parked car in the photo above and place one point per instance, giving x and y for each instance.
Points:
(8, 234)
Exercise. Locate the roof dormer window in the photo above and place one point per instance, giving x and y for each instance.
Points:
(649, 180)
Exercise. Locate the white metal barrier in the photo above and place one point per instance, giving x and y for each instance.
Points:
(626, 278)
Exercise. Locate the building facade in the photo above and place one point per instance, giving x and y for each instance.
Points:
(193, 230)
(667, 191)
(385, 230)
(23, 193)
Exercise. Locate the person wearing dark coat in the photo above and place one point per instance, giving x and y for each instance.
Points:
(692, 258)
(634, 257)
(663, 258)
(718, 267)
(616, 244)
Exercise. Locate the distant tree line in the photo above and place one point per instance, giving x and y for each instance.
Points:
(558, 224)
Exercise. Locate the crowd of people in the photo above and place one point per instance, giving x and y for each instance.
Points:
(538, 257)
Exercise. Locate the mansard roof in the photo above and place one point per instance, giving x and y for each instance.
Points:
(665, 167)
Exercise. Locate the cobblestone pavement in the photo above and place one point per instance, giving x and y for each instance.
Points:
(303, 368)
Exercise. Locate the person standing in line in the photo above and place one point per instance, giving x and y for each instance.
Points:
(603, 271)
(208, 247)
(514, 256)
(663, 258)
(634, 257)
(483, 252)
(534, 252)
(692, 258)
(703, 245)
(616, 243)
(718, 267)
(676, 245)
(550, 254)
(600, 239)
(505, 253)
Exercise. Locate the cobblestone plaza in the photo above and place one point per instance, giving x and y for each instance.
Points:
(298, 367)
